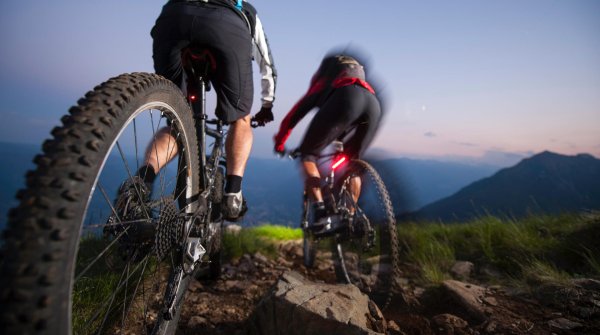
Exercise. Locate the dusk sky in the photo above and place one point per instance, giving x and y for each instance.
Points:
(466, 79)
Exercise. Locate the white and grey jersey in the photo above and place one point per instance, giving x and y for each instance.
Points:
(261, 52)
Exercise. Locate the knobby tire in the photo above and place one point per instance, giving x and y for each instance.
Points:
(385, 280)
(43, 236)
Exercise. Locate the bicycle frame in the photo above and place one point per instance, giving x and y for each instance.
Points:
(199, 65)
(198, 231)
(209, 164)
(337, 159)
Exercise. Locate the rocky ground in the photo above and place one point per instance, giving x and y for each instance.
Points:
(464, 306)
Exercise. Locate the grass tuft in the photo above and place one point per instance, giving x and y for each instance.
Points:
(260, 238)
(548, 248)
(279, 233)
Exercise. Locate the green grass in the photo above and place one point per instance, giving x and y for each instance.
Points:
(86, 293)
(279, 233)
(536, 272)
(550, 248)
(528, 252)
(260, 238)
(101, 281)
(592, 259)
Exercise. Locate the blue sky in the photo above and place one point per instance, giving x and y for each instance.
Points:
(466, 79)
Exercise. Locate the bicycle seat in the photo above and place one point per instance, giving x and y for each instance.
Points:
(198, 63)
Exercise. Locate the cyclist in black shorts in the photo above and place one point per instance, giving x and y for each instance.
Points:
(346, 102)
(234, 33)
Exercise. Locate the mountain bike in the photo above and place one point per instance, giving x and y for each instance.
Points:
(362, 238)
(67, 268)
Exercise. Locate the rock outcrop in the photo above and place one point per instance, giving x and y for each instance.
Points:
(276, 294)
(299, 306)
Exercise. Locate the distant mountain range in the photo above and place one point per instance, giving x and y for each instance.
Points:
(414, 183)
(547, 183)
(424, 189)
(273, 186)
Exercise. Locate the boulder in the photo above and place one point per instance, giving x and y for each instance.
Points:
(580, 297)
(449, 324)
(296, 305)
(564, 324)
(468, 296)
(462, 270)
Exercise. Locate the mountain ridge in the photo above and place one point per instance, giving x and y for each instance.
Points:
(273, 187)
(419, 187)
(545, 183)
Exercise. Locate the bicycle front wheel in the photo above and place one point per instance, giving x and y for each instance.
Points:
(77, 263)
(366, 253)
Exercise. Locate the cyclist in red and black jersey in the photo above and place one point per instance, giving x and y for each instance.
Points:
(348, 110)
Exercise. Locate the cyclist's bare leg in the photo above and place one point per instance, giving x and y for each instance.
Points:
(355, 188)
(161, 150)
(311, 170)
(238, 146)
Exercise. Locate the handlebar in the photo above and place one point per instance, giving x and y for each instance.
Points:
(291, 154)
(214, 121)
(295, 153)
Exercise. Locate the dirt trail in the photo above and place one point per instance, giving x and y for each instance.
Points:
(222, 306)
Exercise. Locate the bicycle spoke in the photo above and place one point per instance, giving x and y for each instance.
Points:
(113, 275)
(143, 294)
(108, 201)
(169, 154)
(107, 310)
(125, 297)
(84, 271)
(130, 176)
(116, 291)
(135, 144)
(154, 131)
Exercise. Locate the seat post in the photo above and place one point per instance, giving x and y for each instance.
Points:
(199, 110)
(199, 63)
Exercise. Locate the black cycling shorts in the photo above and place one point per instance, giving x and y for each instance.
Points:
(351, 115)
(222, 30)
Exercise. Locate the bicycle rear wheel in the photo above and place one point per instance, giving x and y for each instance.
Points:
(72, 271)
(366, 253)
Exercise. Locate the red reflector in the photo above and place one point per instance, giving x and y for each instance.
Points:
(338, 162)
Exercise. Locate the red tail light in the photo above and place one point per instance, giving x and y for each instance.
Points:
(338, 161)
(192, 98)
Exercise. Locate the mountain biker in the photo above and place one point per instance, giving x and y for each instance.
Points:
(348, 110)
(233, 32)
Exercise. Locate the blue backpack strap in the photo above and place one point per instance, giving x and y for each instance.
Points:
(238, 4)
